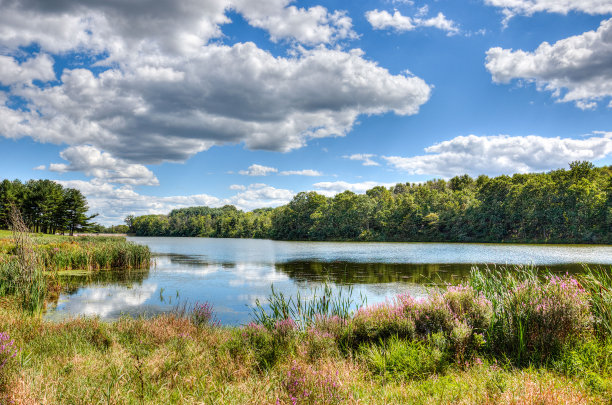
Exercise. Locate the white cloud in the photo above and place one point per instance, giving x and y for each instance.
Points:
(315, 25)
(237, 187)
(115, 203)
(331, 188)
(103, 166)
(222, 95)
(502, 154)
(575, 69)
(366, 158)
(167, 91)
(260, 196)
(305, 172)
(39, 67)
(41, 167)
(529, 7)
(381, 20)
(258, 170)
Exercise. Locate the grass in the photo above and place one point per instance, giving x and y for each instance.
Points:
(29, 263)
(168, 359)
(509, 336)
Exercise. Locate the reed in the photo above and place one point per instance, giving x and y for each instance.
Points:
(323, 302)
(535, 314)
(597, 281)
(23, 273)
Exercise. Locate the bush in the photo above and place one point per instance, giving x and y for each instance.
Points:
(370, 324)
(534, 317)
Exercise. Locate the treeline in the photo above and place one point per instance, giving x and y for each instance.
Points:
(572, 205)
(45, 206)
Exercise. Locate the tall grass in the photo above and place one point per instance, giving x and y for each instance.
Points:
(105, 254)
(22, 274)
(535, 314)
(324, 302)
(597, 282)
(83, 254)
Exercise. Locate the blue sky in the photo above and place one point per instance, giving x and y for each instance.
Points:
(151, 105)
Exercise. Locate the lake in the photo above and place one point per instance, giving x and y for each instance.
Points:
(233, 273)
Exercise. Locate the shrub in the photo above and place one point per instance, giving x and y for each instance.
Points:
(431, 315)
(320, 344)
(534, 317)
(381, 321)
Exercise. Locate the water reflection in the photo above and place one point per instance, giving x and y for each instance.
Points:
(233, 274)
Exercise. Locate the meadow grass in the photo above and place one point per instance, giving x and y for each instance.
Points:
(510, 336)
(170, 359)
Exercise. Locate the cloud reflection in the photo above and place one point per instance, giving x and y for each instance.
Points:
(106, 301)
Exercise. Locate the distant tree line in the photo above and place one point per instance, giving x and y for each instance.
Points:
(45, 206)
(572, 205)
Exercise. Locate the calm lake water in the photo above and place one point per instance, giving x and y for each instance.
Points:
(232, 273)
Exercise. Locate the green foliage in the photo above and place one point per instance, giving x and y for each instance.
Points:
(597, 281)
(46, 206)
(396, 358)
(573, 206)
(305, 310)
(534, 315)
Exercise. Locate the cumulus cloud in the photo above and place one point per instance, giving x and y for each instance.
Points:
(502, 154)
(366, 158)
(114, 203)
(529, 7)
(225, 94)
(39, 67)
(381, 20)
(305, 172)
(258, 170)
(260, 196)
(103, 166)
(314, 25)
(331, 188)
(576, 69)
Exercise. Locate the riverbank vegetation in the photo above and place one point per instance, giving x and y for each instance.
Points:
(30, 263)
(571, 206)
(545, 340)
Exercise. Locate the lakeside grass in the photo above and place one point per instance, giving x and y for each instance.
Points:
(168, 359)
(543, 340)
(31, 263)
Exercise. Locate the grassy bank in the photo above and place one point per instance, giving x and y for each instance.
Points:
(30, 263)
(505, 337)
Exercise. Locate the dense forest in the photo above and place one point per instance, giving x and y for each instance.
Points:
(45, 205)
(572, 205)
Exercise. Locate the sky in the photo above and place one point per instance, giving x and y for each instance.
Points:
(150, 105)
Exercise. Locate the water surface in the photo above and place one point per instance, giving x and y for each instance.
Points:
(233, 273)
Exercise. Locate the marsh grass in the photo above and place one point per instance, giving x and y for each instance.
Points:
(170, 360)
(597, 282)
(323, 302)
(23, 274)
(459, 346)
(535, 314)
